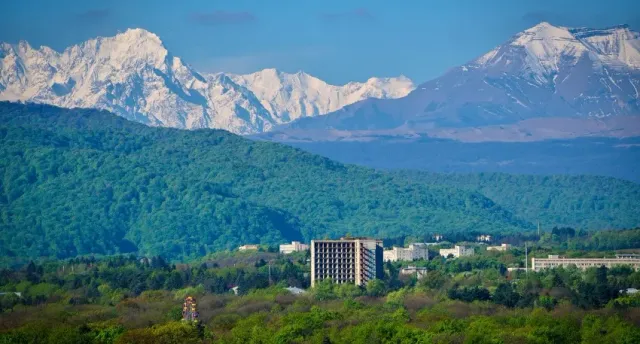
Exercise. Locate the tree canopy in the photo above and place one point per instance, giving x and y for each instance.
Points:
(79, 181)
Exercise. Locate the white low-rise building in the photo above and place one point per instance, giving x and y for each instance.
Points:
(503, 247)
(248, 247)
(484, 237)
(554, 261)
(294, 246)
(457, 251)
(413, 252)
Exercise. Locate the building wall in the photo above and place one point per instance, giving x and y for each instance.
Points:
(346, 261)
(457, 251)
(295, 246)
(413, 252)
(419, 251)
(538, 264)
(503, 247)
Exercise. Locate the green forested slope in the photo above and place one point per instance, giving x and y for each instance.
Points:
(83, 181)
(586, 202)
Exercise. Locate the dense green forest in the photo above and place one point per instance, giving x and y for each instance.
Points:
(78, 182)
(125, 299)
(587, 202)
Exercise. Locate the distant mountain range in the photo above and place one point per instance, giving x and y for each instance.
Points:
(133, 75)
(546, 82)
(540, 91)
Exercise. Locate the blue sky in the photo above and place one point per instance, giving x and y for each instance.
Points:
(338, 41)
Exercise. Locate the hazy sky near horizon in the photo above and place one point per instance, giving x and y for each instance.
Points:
(338, 41)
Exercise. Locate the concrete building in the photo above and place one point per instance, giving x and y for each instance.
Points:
(348, 260)
(554, 261)
(503, 247)
(248, 247)
(628, 255)
(294, 246)
(419, 272)
(457, 251)
(413, 252)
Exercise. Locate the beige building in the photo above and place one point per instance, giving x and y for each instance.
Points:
(248, 247)
(294, 246)
(503, 247)
(413, 252)
(348, 260)
(554, 261)
(457, 251)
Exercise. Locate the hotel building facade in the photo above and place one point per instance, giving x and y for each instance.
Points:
(348, 260)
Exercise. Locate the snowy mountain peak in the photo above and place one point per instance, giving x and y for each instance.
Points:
(541, 52)
(292, 96)
(133, 75)
(138, 34)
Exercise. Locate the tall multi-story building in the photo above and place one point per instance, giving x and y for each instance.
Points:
(294, 246)
(457, 251)
(348, 260)
(554, 261)
(413, 252)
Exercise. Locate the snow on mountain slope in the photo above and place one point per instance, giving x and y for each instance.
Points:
(133, 75)
(544, 71)
(291, 96)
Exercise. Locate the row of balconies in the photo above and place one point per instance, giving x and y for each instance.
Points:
(334, 261)
(351, 253)
(336, 278)
(332, 245)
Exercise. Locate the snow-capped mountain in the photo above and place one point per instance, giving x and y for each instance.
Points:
(545, 71)
(133, 75)
(291, 96)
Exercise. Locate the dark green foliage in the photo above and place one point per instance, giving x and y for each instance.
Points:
(585, 202)
(506, 295)
(76, 182)
(472, 311)
(469, 294)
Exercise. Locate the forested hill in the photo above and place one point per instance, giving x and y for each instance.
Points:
(587, 202)
(84, 181)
